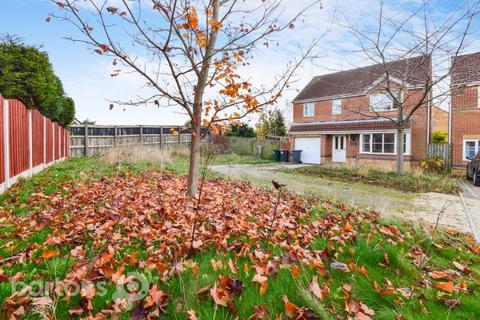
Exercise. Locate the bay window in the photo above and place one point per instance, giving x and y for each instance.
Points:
(470, 148)
(383, 143)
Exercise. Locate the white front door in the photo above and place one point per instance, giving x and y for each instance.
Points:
(339, 152)
(310, 149)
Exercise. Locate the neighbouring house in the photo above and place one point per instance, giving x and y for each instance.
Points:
(439, 119)
(333, 119)
(465, 108)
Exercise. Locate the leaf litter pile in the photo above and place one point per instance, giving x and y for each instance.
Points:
(249, 258)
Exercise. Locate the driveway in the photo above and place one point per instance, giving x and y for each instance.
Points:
(390, 203)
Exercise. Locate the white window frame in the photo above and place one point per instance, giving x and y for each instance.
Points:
(336, 107)
(310, 106)
(408, 142)
(392, 106)
(464, 151)
(478, 97)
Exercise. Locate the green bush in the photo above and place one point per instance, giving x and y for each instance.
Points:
(432, 165)
(440, 137)
(26, 74)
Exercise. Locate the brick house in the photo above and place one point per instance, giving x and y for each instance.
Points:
(465, 108)
(333, 119)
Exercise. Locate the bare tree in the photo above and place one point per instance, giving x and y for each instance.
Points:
(189, 54)
(412, 50)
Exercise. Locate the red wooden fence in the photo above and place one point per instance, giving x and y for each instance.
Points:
(2, 147)
(28, 142)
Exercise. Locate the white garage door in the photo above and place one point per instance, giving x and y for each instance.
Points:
(310, 149)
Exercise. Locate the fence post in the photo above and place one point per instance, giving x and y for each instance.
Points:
(6, 143)
(30, 138)
(161, 137)
(86, 141)
(115, 136)
(44, 140)
(179, 135)
(141, 135)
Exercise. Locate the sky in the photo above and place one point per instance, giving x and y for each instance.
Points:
(86, 75)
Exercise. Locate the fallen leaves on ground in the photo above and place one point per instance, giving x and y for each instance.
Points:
(152, 213)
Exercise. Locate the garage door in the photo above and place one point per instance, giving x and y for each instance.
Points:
(310, 148)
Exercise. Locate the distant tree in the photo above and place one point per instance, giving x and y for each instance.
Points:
(88, 121)
(440, 137)
(27, 75)
(272, 123)
(241, 130)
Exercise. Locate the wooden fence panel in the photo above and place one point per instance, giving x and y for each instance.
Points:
(57, 141)
(49, 144)
(28, 142)
(442, 150)
(37, 138)
(18, 140)
(2, 143)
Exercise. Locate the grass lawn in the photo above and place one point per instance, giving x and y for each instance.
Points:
(410, 182)
(122, 234)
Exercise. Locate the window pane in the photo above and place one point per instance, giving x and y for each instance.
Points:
(389, 143)
(470, 149)
(308, 109)
(377, 143)
(405, 143)
(336, 107)
(366, 143)
(380, 102)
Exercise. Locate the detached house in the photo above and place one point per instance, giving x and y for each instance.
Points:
(341, 117)
(465, 108)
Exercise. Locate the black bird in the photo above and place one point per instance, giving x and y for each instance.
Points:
(277, 185)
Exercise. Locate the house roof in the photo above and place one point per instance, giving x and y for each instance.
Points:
(414, 71)
(344, 125)
(465, 69)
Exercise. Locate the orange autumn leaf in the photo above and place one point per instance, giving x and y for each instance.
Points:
(263, 288)
(347, 227)
(295, 270)
(291, 310)
(445, 286)
(50, 254)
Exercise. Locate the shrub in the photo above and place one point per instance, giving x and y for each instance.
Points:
(26, 74)
(440, 137)
(432, 165)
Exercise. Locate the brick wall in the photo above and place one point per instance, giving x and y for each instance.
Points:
(350, 108)
(465, 121)
(439, 120)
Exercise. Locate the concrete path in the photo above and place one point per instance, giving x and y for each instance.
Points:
(424, 207)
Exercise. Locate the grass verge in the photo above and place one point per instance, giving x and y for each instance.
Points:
(411, 181)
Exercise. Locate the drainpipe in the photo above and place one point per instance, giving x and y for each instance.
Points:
(450, 115)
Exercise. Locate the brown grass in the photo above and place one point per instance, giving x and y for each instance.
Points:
(135, 154)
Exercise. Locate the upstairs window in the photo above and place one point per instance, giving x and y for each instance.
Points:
(308, 109)
(478, 97)
(336, 107)
(381, 102)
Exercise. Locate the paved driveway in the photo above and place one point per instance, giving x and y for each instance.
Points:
(391, 203)
(469, 190)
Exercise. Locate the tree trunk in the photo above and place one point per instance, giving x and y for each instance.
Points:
(194, 168)
(400, 141)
